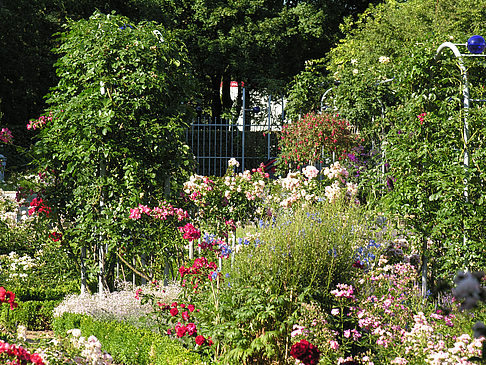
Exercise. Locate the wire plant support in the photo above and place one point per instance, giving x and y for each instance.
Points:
(475, 45)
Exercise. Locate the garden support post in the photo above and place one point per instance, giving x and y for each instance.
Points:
(424, 267)
(134, 262)
(83, 270)
(243, 133)
(466, 104)
(269, 126)
(100, 268)
(191, 250)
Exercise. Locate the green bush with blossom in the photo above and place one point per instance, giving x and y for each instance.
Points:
(112, 137)
(313, 138)
(222, 203)
(249, 304)
(382, 317)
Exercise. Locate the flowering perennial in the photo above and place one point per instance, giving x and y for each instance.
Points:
(306, 352)
(190, 233)
(21, 356)
(200, 270)
(39, 122)
(6, 135)
(306, 139)
(163, 212)
(7, 297)
(37, 206)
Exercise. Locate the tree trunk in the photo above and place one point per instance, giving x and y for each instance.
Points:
(216, 106)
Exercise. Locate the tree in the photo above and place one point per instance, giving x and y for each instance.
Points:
(115, 138)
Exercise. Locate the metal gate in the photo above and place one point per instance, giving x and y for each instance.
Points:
(213, 143)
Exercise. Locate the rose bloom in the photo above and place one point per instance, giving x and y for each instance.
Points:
(174, 311)
(200, 340)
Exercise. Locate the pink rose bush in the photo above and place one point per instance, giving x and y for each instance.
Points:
(384, 316)
(223, 203)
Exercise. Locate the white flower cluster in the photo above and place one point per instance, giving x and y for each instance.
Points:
(90, 348)
(19, 266)
(233, 162)
(336, 171)
(384, 59)
(296, 188)
(310, 172)
(120, 305)
(333, 192)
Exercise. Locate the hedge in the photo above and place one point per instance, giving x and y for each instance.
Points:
(127, 344)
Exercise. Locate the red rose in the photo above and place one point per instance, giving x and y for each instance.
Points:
(185, 315)
(180, 330)
(191, 329)
(174, 311)
(305, 352)
(191, 308)
(200, 340)
(299, 349)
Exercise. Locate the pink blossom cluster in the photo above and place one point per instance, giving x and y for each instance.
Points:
(304, 139)
(344, 291)
(21, 355)
(6, 136)
(163, 212)
(421, 117)
(432, 346)
(190, 232)
(39, 122)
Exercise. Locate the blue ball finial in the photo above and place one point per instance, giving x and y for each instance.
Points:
(476, 44)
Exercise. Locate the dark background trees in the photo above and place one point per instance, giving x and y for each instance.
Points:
(262, 43)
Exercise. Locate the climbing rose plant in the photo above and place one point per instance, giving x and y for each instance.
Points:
(313, 137)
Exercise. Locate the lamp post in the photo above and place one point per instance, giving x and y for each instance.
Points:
(475, 45)
(255, 109)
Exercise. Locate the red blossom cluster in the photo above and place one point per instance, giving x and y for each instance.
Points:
(163, 212)
(305, 139)
(7, 297)
(190, 232)
(421, 117)
(55, 236)
(306, 352)
(199, 271)
(37, 206)
(22, 356)
(184, 328)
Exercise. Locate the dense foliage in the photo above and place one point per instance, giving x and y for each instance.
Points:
(113, 138)
(408, 107)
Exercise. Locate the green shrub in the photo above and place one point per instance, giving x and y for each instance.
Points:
(34, 314)
(297, 258)
(127, 344)
(41, 294)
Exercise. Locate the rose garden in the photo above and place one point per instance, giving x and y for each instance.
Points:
(364, 245)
